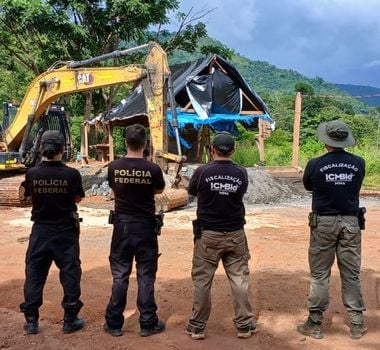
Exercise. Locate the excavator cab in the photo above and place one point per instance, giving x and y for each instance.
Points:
(9, 112)
(53, 119)
(7, 159)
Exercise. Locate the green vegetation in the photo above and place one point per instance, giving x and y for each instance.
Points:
(278, 148)
(37, 33)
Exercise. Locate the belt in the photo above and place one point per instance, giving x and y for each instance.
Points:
(221, 230)
(123, 217)
(131, 218)
(346, 213)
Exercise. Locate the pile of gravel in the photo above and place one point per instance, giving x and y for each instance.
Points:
(263, 187)
(95, 181)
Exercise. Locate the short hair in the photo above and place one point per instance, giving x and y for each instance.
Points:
(135, 137)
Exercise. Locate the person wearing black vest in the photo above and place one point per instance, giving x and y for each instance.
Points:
(335, 180)
(219, 235)
(54, 189)
(134, 181)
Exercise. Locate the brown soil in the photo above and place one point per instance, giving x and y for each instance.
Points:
(278, 241)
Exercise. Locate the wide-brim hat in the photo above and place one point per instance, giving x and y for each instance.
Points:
(336, 134)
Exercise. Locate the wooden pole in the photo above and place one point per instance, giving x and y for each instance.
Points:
(84, 136)
(84, 144)
(204, 144)
(201, 143)
(296, 128)
(260, 141)
(110, 142)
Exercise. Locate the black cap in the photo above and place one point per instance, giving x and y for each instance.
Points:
(53, 136)
(224, 143)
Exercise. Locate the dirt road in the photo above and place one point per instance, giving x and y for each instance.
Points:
(278, 241)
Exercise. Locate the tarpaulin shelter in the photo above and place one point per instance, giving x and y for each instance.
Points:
(209, 94)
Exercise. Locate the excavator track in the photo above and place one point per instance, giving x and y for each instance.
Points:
(10, 191)
(11, 194)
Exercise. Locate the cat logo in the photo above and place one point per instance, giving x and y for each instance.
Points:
(85, 78)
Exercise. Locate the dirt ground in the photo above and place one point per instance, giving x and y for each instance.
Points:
(278, 240)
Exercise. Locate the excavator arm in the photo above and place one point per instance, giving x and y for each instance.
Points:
(73, 78)
(49, 86)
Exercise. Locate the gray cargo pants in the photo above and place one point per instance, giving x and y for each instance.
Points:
(335, 235)
(232, 249)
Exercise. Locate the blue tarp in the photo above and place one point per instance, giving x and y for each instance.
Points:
(193, 118)
(217, 122)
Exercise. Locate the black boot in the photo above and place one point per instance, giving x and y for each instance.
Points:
(31, 324)
(71, 322)
(158, 328)
(358, 330)
(311, 329)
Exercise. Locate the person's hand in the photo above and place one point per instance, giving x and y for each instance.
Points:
(21, 196)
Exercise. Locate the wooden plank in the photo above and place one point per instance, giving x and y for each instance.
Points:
(185, 109)
(249, 100)
(251, 112)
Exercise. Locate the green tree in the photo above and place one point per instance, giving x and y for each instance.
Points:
(281, 109)
(36, 33)
(304, 88)
(364, 128)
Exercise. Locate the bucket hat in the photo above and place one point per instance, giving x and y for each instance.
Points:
(336, 134)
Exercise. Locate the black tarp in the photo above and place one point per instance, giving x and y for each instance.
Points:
(211, 82)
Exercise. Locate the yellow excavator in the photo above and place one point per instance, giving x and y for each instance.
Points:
(17, 151)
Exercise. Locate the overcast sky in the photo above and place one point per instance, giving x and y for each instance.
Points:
(338, 40)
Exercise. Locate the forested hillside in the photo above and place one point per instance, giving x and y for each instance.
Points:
(263, 76)
(266, 78)
(367, 94)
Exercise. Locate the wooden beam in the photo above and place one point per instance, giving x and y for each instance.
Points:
(244, 94)
(249, 100)
(221, 68)
(296, 128)
(251, 112)
(185, 109)
(110, 142)
(84, 144)
(204, 143)
(260, 141)
(190, 110)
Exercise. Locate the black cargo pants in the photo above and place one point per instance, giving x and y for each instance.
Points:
(48, 243)
(133, 240)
